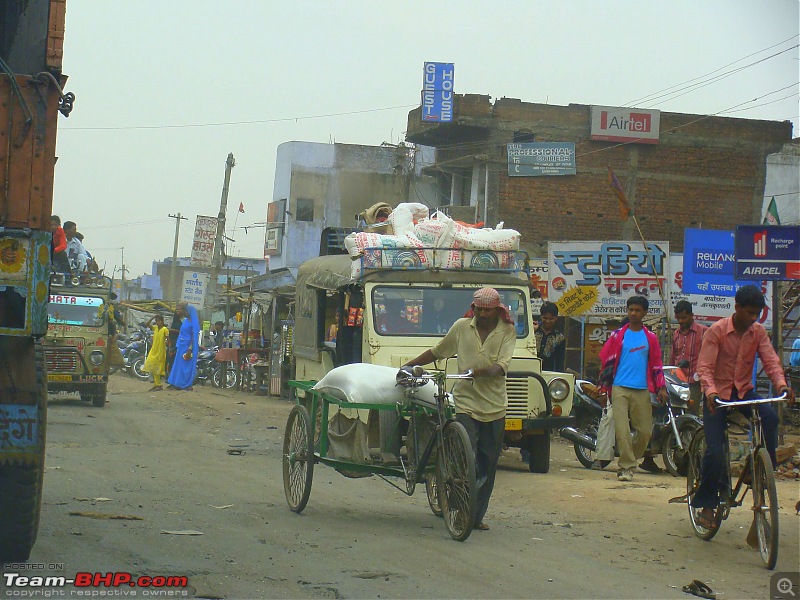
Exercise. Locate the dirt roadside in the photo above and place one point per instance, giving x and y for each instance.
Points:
(209, 461)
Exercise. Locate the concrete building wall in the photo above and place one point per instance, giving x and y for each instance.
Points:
(783, 183)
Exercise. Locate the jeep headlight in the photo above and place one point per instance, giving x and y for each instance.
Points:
(96, 357)
(559, 389)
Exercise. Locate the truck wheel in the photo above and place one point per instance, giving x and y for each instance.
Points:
(20, 503)
(99, 399)
(539, 447)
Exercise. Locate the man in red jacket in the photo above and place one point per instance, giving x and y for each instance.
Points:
(632, 368)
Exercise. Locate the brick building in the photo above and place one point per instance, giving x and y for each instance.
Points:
(704, 171)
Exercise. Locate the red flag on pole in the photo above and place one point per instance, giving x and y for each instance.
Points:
(241, 207)
(624, 207)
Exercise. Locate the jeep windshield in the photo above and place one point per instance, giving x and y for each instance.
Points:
(64, 309)
(429, 311)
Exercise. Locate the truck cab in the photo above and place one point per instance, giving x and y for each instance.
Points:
(76, 346)
(387, 315)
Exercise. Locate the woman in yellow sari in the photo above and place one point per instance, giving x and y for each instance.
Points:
(157, 357)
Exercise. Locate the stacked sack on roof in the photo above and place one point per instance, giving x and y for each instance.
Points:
(421, 242)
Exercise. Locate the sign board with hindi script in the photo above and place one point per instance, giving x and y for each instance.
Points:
(711, 306)
(194, 287)
(597, 278)
(205, 234)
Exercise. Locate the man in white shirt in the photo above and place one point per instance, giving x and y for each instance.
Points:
(75, 250)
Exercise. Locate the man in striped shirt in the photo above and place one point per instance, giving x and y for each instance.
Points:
(686, 342)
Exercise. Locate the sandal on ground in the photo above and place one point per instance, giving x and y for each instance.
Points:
(699, 589)
(482, 526)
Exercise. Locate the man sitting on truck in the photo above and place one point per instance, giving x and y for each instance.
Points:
(484, 342)
(75, 250)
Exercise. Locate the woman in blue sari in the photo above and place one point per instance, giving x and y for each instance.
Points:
(184, 369)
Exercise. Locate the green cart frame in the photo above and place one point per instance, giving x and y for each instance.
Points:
(449, 482)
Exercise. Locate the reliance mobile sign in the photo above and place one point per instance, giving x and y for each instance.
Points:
(768, 252)
(437, 92)
(611, 124)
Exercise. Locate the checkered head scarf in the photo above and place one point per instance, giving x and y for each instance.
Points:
(487, 297)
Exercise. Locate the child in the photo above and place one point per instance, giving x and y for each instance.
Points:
(157, 357)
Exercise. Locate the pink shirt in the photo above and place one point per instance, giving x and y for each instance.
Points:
(686, 345)
(726, 359)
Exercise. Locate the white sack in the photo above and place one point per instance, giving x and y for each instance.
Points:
(362, 383)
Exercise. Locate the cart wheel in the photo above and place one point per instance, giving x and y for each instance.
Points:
(455, 476)
(298, 458)
(765, 507)
(432, 490)
(697, 450)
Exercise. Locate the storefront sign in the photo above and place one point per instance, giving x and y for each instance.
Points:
(636, 125)
(768, 252)
(437, 92)
(205, 234)
(194, 287)
(708, 263)
(538, 159)
(597, 278)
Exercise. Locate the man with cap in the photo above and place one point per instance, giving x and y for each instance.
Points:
(484, 342)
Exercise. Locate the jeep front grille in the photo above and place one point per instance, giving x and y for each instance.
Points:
(517, 390)
(60, 360)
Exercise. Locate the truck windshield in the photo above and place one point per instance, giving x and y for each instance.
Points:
(76, 310)
(426, 311)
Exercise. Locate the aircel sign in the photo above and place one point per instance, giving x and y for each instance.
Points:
(611, 124)
(437, 92)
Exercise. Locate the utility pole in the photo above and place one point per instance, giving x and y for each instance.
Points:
(123, 269)
(171, 286)
(219, 255)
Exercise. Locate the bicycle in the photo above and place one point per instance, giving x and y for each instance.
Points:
(450, 483)
(757, 474)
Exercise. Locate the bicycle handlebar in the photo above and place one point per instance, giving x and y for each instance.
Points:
(756, 401)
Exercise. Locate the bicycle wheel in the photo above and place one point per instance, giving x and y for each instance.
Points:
(765, 508)
(697, 450)
(455, 476)
(298, 458)
(432, 491)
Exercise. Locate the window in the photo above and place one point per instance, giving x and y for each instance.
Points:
(304, 210)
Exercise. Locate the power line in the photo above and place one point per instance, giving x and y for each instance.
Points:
(227, 123)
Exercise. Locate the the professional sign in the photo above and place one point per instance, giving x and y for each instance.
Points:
(437, 92)
(710, 306)
(536, 159)
(205, 234)
(708, 263)
(194, 287)
(637, 125)
(768, 252)
(597, 278)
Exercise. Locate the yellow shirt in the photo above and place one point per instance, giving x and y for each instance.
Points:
(484, 398)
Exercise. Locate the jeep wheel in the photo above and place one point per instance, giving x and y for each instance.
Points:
(539, 447)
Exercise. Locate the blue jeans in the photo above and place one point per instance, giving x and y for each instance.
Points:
(714, 469)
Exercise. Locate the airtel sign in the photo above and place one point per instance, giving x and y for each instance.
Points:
(636, 125)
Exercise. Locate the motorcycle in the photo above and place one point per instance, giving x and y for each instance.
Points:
(208, 368)
(673, 426)
(136, 353)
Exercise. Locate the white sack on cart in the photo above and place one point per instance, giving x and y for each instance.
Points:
(405, 215)
(361, 383)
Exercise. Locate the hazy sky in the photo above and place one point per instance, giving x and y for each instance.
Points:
(152, 77)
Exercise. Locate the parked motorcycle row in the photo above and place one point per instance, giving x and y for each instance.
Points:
(673, 424)
(134, 349)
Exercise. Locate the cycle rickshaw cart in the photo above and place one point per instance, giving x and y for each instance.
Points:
(444, 461)
(757, 474)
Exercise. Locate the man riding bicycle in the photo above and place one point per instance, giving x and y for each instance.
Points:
(725, 367)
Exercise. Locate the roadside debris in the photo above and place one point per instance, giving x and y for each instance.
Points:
(96, 515)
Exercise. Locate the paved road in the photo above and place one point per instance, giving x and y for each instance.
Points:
(209, 461)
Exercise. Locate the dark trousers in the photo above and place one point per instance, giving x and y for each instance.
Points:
(714, 468)
(487, 444)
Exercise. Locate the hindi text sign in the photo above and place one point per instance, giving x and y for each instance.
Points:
(205, 234)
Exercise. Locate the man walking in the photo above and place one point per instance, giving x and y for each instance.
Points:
(686, 342)
(726, 372)
(632, 369)
(484, 342)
